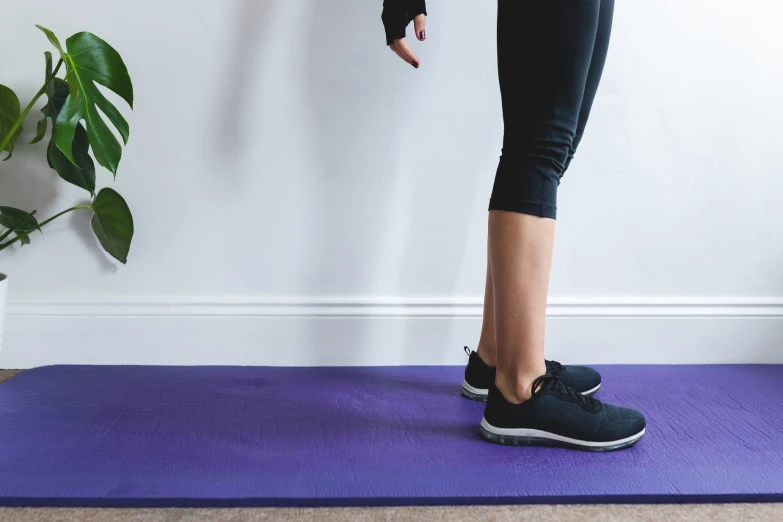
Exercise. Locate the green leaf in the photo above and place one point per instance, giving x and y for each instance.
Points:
(10, 110)
(41, 132)
(56, 92)
(113, 224)
(20, 221)
(82, 173)
(53, 39)
(90, 60)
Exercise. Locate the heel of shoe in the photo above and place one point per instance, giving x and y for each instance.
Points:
(474, 394)
(515, 440)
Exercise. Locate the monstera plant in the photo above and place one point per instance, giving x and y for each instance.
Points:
(78, 111)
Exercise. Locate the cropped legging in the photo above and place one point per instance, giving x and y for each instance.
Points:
(551, 54)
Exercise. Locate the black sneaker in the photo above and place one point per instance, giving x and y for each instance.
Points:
(558, 415)
(479, 376)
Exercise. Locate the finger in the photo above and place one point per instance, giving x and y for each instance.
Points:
(393, 47)
(406, 53)
(399, 53)
(420, 24)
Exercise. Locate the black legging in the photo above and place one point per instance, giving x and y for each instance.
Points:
(551, 54)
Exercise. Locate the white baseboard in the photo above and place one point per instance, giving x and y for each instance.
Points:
(339, 332)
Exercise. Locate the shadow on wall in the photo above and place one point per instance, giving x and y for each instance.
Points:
(373, 195)
(26, 186)
(26, 181)
(252, 28)
(335, 138)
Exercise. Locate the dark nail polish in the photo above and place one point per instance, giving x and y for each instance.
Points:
(422, 35)
(415, 65)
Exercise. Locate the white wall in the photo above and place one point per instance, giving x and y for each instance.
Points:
(303, 197)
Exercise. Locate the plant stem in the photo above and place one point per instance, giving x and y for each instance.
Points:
(80, 207)
(7, 139)
(40, 225)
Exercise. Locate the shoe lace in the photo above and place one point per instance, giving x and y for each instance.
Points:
(564, 391)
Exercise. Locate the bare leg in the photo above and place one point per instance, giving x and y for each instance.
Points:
(487, 345)
(542, 88)
(540, 122)
(520, 255)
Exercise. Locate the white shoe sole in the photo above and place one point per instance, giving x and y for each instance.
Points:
(531, 437)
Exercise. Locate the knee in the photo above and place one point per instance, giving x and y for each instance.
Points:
(533, 161)
(526, 184)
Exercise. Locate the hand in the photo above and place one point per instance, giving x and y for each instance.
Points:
(400, 46)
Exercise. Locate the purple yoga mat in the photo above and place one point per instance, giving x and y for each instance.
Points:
(245, 436)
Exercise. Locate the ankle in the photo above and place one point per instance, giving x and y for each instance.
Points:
(487, 353)
(515, 389)
(513, 393)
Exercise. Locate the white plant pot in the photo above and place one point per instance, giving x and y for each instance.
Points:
(3, 296)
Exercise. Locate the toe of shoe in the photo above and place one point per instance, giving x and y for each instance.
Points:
(581, 378)
(622, 422)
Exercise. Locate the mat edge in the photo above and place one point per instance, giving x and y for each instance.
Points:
(732, 498)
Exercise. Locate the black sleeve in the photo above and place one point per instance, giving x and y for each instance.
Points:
(397, 14)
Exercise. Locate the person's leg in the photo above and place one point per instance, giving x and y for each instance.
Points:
(480, 370)
(487, 344)
(600, 50)
(521, 254)
(544, 53)
(487, 349)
